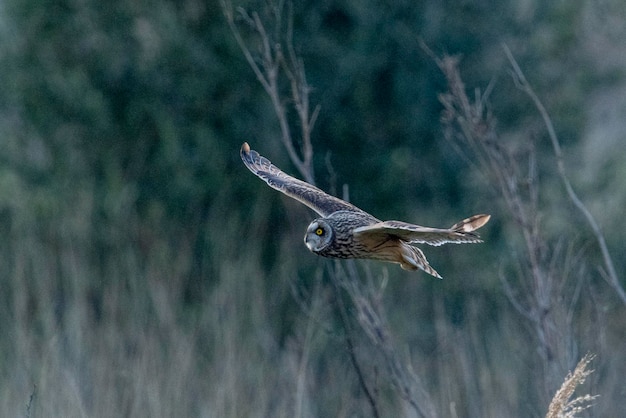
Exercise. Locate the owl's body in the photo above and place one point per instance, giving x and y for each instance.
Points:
(345, 231)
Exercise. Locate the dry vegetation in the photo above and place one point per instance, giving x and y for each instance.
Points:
(562, 406)
(546, 303)
(359, 344)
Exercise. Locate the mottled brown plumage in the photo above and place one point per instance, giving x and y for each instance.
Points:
(345, 231)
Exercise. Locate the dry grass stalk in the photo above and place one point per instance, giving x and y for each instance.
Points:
(561, 405)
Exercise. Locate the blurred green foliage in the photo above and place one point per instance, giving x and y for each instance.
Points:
(130, 225)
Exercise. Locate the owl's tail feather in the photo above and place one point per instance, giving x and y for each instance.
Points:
(413, 258)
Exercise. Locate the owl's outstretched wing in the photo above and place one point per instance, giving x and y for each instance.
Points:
(316, 199)
(459, 233)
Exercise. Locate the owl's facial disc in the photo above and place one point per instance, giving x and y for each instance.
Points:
(317, 236)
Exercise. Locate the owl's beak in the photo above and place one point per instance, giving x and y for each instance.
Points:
(308, 242)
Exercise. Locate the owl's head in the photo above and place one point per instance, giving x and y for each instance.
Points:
(318, 235)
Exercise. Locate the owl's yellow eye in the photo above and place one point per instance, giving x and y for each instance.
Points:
(319, 231)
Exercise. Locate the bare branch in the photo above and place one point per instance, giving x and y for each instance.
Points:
(522, 84)
(31, 399)
(370, 315)
(343, 314)
(539, 293)
(267, 64)
(229, 14)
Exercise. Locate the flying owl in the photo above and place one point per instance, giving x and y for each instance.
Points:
(345, 231)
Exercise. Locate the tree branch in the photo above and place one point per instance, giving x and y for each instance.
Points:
(522, 84)
(272, 60)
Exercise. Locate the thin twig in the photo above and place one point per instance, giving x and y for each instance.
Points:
(31, 399)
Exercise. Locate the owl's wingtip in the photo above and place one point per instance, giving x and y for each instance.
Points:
(471, 224)
(481, 220)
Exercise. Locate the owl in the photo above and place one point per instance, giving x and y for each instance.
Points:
(345, 231)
